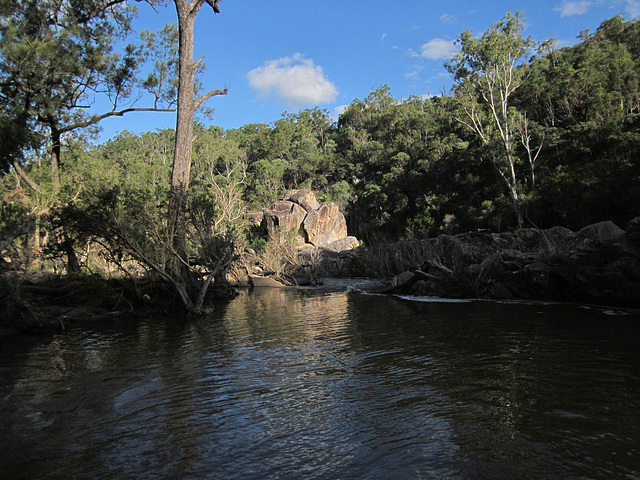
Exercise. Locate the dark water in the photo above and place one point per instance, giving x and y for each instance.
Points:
(318, 384)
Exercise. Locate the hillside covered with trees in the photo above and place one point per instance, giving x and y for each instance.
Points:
(530, 135)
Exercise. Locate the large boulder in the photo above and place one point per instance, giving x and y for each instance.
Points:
(305, 198)
(286, 215)
(259, 281)
(600, 233)
(346, 243)
(325, 225)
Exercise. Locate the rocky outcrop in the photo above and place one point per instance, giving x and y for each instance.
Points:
(286, 215)
(599, 264)
(305, 198)
(320, 245)
(254, 219)
(322, 226)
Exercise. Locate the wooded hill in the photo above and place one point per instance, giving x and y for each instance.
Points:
(530, 135)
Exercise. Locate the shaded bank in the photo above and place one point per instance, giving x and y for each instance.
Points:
(599, 264)
(55, 303)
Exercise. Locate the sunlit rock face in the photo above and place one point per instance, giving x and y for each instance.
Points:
(286, 215)
(325, 225)
(305, 198)
(317, 225)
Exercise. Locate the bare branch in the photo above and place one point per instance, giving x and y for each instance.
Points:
(23, 175)
(198, 101)
(197, 63)
(101, 8)
(119, 113)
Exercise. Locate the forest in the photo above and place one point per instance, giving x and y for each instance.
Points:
(531, 135)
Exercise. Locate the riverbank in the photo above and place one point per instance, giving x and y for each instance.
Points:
(599, 264)
(47, 302)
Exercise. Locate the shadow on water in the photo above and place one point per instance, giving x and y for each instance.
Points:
(533, 391)
(329, 384)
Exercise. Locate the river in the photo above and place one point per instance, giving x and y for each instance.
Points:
(329, 384)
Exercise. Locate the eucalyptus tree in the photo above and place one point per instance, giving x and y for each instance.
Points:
(587, 97)
(187, 10)
(177, 268)
(487, 71)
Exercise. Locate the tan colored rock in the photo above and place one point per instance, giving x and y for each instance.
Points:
(325, 225)
(255, 218)
(305, 198)
(344, 244)
(287, 215)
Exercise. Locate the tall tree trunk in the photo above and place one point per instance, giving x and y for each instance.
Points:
(73, 265)
(515, 199)
(56, 150)
(184, 126)
(187, 105)
(513, 187)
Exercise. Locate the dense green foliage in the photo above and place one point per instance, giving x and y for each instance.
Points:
(399, 168)
(53, 56)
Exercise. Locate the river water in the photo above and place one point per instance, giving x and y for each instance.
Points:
(329, 384)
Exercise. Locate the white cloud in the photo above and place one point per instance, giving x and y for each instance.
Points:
(295, 80)
(448, 18)
(633, 8)
(384, 35)
(569, 8)
(437, 49)
(413, 72)
(580, 7)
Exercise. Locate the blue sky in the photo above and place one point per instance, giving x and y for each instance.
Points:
(287, 55)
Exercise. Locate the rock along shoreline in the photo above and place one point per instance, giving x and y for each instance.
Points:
(600, 264)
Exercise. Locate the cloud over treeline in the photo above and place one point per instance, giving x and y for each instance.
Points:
(295, 80)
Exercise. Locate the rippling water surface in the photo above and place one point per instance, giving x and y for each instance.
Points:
(329, 384)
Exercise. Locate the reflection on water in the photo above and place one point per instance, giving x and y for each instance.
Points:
(329, 384)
